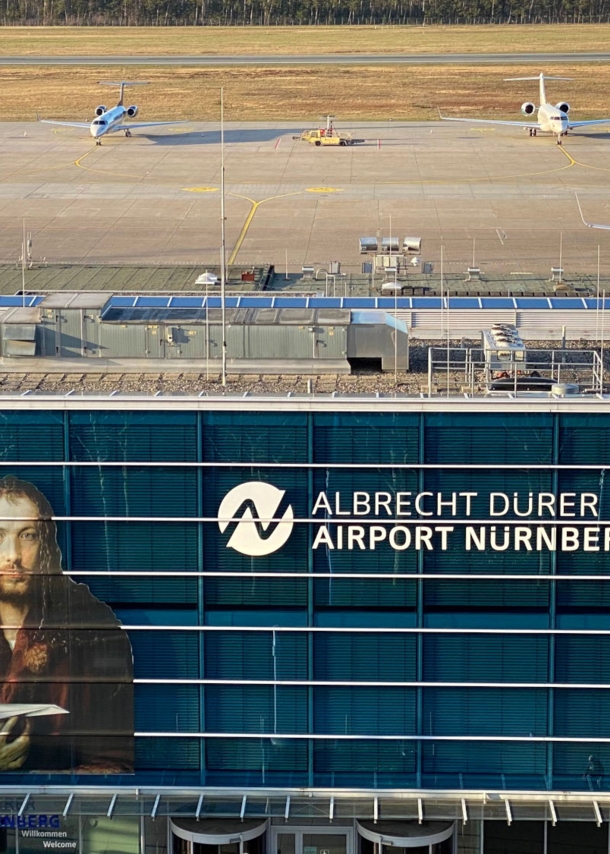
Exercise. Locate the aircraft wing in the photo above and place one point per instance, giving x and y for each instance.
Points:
(145, 125)
(494, 122)
(67, 124)
(592, 122)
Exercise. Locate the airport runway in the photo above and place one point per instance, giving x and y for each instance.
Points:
(154, 198)
(320, 59)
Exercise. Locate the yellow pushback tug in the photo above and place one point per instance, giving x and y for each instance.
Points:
(326, 135)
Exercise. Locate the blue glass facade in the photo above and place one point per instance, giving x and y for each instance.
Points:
(320, 665)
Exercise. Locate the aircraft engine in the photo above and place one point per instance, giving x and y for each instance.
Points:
(565, 108)
(132, 111)
(528, 108)
(99, 111)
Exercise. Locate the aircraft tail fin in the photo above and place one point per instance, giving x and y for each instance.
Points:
(541, 78)
(122, 84)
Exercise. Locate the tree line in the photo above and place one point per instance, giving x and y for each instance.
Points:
(298, 12)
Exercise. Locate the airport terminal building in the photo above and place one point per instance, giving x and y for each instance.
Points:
(304, 625)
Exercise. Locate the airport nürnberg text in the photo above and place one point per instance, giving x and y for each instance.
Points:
(537, 508)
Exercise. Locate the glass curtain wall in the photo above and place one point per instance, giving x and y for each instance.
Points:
(406, 666)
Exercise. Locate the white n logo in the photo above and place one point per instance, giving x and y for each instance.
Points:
(262, 501)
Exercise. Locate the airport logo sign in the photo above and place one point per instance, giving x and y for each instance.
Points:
(401, 521)
(254, 506)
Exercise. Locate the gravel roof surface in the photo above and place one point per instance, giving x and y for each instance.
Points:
(362, 381)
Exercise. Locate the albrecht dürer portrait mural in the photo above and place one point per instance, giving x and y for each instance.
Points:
(66, 666)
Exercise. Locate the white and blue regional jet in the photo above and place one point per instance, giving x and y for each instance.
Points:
(550, 119)
(112, 120)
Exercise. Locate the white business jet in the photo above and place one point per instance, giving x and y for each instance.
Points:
(551, 119)
(111, 120)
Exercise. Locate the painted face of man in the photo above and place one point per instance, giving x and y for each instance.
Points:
(19, 546)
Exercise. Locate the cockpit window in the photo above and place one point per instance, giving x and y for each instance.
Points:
(99, 122)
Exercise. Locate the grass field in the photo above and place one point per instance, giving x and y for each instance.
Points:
(401, 93)
(254, 94)
(135, 41)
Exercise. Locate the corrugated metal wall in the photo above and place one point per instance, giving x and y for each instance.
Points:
(69, 333)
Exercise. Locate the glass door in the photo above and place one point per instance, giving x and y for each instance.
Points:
(312, 840)
(324, 843)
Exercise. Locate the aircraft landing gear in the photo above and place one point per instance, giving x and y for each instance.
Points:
(98, 141)
(559, 142)
(127, 133)
(532, 131)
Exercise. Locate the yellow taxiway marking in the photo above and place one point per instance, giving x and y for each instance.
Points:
(79, 163)
(108, 171)
(570, 158)
(418, 181)
(323, 190)
(200, 189)
(82, 157)
(43, 169)
(574, 162)
(255, 206)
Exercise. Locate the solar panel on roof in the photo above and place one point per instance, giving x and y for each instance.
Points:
(254, 302)
(325, 302)
(153, 302)
(258, 302)
(532, 302)
(596, 304)
(194, 303)
(287, 302)
(116, 301)
(567, 303)
(497, 302)
(142, 314)
(426, 302)
(359, 302)
(464, 302)
(112, 314)
(215, 302)
(391, 302)
(187, 302)
(17, 301)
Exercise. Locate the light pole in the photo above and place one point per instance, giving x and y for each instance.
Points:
(223, 253)
(23, 267)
